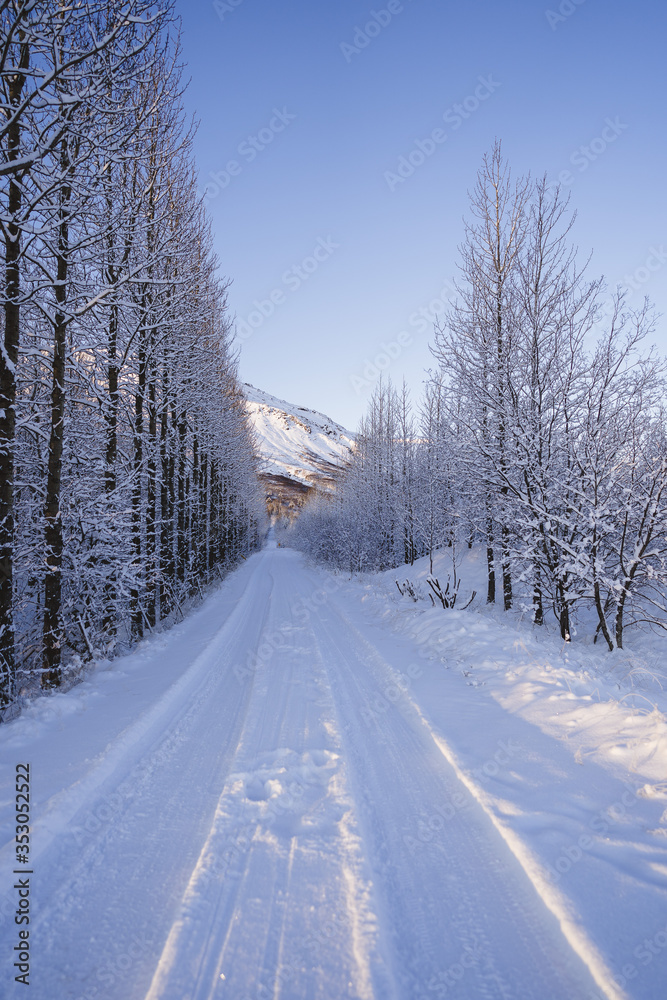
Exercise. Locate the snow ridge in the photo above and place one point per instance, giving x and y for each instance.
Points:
(299, 444)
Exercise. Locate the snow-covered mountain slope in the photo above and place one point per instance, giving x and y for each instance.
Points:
(302, 446)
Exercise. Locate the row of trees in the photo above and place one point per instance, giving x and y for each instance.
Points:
(542, 436)
(126, 466)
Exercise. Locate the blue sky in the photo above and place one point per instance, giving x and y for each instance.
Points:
(303, 124)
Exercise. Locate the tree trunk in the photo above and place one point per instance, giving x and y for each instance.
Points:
(194, 511)
(490, 564)
(564, 613)
(111, 408)
(137, 519)
(151, 506)
(602, 618)
(54, 633)
(181, 537)
(166, 502)
(111, 453)
(538, 604)
(507, 570)
(8, 361)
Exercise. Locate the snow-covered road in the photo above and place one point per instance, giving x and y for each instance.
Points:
(256, 805)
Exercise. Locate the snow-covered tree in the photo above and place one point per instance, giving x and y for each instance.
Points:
(127, 468)
(542, 432)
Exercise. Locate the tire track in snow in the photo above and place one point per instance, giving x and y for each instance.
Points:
(302, 810)
(528, 959)
(301, 869)
(57, 813)
(553, 899)
(129, 852)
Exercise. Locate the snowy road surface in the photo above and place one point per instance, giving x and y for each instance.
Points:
(256, 805)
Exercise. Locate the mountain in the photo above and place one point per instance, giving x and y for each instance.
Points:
(301, 450)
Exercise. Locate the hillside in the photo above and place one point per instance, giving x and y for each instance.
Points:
(300, 449)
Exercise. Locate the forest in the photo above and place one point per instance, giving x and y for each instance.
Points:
(541, 435)
(127, 474)
(127, 471)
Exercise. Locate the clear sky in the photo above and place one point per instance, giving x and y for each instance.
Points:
(306, 108)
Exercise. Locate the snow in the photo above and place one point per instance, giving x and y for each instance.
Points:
(314, 787)
(295, 442)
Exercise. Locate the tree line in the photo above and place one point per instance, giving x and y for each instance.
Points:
(127, 473)
(541, 436)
